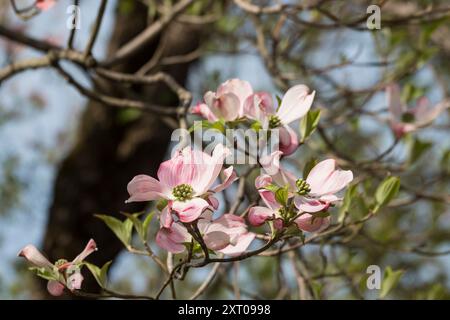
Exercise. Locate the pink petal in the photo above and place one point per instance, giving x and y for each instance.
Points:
(144, 188)
(173, 239)
(258, 215)
(295, 104)
(216, 240)
(45, 4)
(288, 140)
(310, 205)
(262, 181)
(209, 169)
(165, 218)
(258, 106)
(395, 105)
(225, 106)
(241, 89)
(55, 288)
(319, 174)
(214, 203)
(229, 177)
(269, 199)
(90, 247)
(178, 170)
(308, 223)
(241, 245)
(74, 281)
(204, 111)
(190, 210)
(271, 162)
(429, 115)
(35, 257)
(337, 181)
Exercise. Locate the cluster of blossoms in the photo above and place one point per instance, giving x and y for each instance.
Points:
(235, 100)
(185, 183)
(186, 187)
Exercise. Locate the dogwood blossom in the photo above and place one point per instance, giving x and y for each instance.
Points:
(227, 235)
(295, 104)
(403, 119)
(185, 181)
(314, 194)
(62, 274)
(226, 103)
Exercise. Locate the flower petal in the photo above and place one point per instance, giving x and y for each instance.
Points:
(319, 174)
(216, 240)
(288, 140)
(240, 88)
(35, 257)
(258, 215)
(173, 239)
(74, 281)
(90, 247)
(229, 177)
(394, 102)
(309, 223)
(226, 106)
(204, 111)
(55, 288)
(338, 180)
(190, 210)
(241, 245)
(310, 205)
(295, 104)
(45, 4)
(258, 106)
(165, 219)
(144, 188)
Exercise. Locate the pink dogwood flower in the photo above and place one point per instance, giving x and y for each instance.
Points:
(185, 181)
(227, 235)
(403, 119)
(62, 274)
(226, 103)
(45, 4)
(317, 192)
(295, 104)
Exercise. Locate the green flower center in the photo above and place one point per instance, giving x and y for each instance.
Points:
(60, 262)
(183, 192)
(408, 117)
(303, 187)
(274, 122)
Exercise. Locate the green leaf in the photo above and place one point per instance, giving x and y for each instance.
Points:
(348, 197)
(146, 223)
(127, 115)
(309, 123)
(45, 273)
(418, 148)
(122, 230)
(308, 167)
(141, 227)
(386, 191)
(100, 275)
(390, 280)
(281, 195)
(272, 187)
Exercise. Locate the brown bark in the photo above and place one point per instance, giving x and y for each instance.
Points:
(93, 177)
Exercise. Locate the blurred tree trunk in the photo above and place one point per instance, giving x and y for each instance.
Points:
(110, 151)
